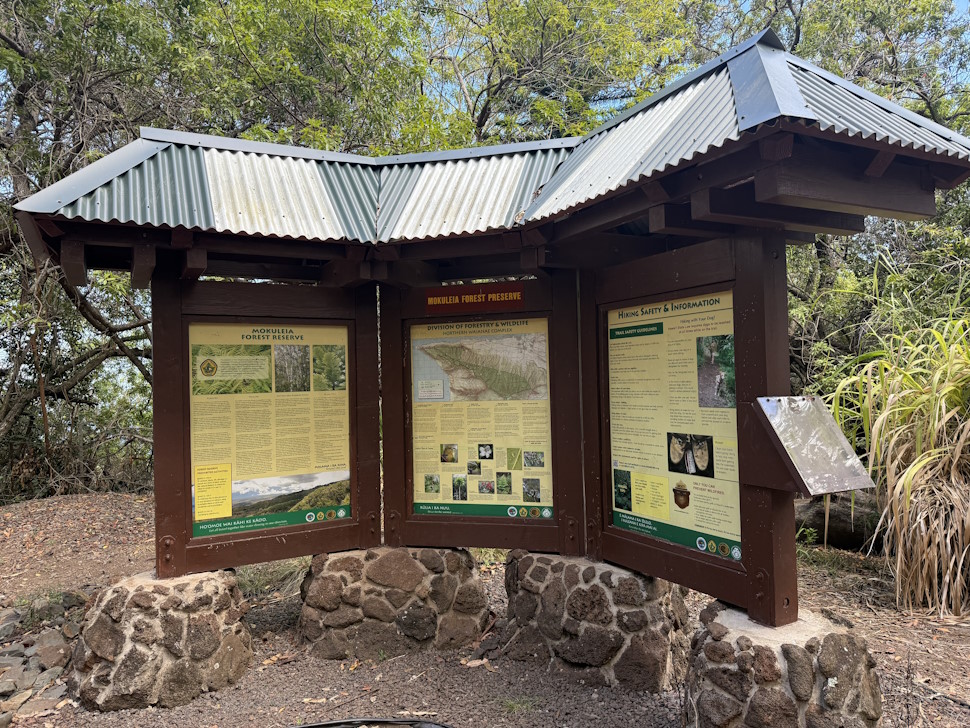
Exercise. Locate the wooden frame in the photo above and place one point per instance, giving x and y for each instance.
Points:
(764, 582)
(553, 298)
(176, 304)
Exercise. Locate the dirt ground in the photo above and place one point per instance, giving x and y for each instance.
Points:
(69, 542)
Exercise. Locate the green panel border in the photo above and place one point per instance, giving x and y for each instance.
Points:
(220, 526)
(543, 513)
(681, 536)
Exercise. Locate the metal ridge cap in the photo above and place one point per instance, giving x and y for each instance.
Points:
(87, 179)
(883, 103)
(475, 152)
(232, 144)
(766, 37)
(764, 88)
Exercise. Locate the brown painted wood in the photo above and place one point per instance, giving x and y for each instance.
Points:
(761, 369)
(688, 267)
(602, 249)
(464, 269)
(413, 273)
(35, 239)
(142, 266)
(880, 163)
(589, 393)
(216, 298)
(738, 206)
(366, 443)
(824, 183)
(698, 269)
(604, 215)
(50, 228)
(402, 527)
(566, 413)
(178, 303)
(182, 239)
(73, 264)
(194, 265)
(531, 260)
(674, 219)
(269, 249)
(341, 273)
(282, 272)
(777, 146)
(718, 578)
(393, 410)
(169, 390)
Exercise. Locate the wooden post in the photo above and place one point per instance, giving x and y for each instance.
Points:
(393, 415)
(367, 442)
(761, 369)
(566, 412)
(168, 408)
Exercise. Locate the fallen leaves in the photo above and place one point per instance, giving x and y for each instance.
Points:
(479, 663)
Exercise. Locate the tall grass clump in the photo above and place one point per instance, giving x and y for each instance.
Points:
(908, 404)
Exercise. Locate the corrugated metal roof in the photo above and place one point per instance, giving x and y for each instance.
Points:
(169, 189)
(461, 196)
(676, 129)
(840, 107)
(281, 196)
(169, 179)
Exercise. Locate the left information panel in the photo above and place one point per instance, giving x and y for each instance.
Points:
(270, 426)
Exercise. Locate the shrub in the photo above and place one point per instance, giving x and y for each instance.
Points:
(908, 405)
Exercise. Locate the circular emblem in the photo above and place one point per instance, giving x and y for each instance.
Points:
(702, 543)
(534, 512)
(320, 515)
(341, 513)
(722, 548)
(736, 553)
(310, 518)
(513, 511)
(523, 511)
(331, 514)
(711, 546)
(208, 368)
(547, 513)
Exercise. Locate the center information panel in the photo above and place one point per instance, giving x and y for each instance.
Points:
(673, 422)
(481, 429)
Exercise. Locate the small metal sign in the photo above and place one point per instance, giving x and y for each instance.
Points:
(812, 445)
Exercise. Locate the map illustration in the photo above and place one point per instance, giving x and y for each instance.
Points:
(504, 367)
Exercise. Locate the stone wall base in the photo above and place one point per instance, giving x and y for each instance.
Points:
(603, 624)
(385, 602)
(810, 674)
(150, 641)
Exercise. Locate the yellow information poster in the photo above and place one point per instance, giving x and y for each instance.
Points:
(481, 429)
(270, 426)
(673, 422)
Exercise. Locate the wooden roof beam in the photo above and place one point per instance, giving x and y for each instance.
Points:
(194, 263)
(903, 192)
(73, 263)
(738, 206)
(142, 266)
(674, 219)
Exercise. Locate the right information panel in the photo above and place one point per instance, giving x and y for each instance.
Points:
(673, 422)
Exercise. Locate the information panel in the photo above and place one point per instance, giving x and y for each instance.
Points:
(481, 433)
(270, 426)
(673, 422)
